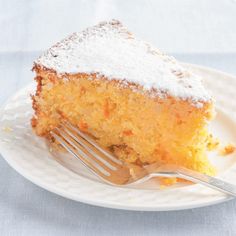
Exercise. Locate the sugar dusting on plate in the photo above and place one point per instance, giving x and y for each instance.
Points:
(108, 49)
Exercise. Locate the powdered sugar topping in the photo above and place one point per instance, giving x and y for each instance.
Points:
(110, 50)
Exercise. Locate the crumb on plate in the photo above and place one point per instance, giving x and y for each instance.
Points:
(228, 149)
(161, 187)
(7, 129)
(212, 143)
(164, 181)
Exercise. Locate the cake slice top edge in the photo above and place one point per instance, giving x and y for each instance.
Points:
(109, 50)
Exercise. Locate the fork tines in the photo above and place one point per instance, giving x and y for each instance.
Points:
(81, 146)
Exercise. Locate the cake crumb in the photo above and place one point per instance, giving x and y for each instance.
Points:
(7, 129)
(228, 149)
(165, 181)
(135, 171)
(161, 187)
(132, 173)
(212, 143)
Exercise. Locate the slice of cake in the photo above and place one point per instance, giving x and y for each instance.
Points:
(133, 99)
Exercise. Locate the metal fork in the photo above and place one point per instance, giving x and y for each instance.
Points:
(115, 172)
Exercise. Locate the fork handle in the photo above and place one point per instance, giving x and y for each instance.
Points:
(204, 179)
(207, 180)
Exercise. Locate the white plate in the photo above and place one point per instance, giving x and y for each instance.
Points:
(29, 155)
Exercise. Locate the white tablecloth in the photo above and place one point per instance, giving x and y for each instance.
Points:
(29, 26)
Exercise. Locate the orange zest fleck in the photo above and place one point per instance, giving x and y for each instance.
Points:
(82, 90)
(83, 126)
(127, 132)
(106, 110)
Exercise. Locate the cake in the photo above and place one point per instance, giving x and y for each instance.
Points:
(134, 100)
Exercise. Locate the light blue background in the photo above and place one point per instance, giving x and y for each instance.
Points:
(27, 27)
